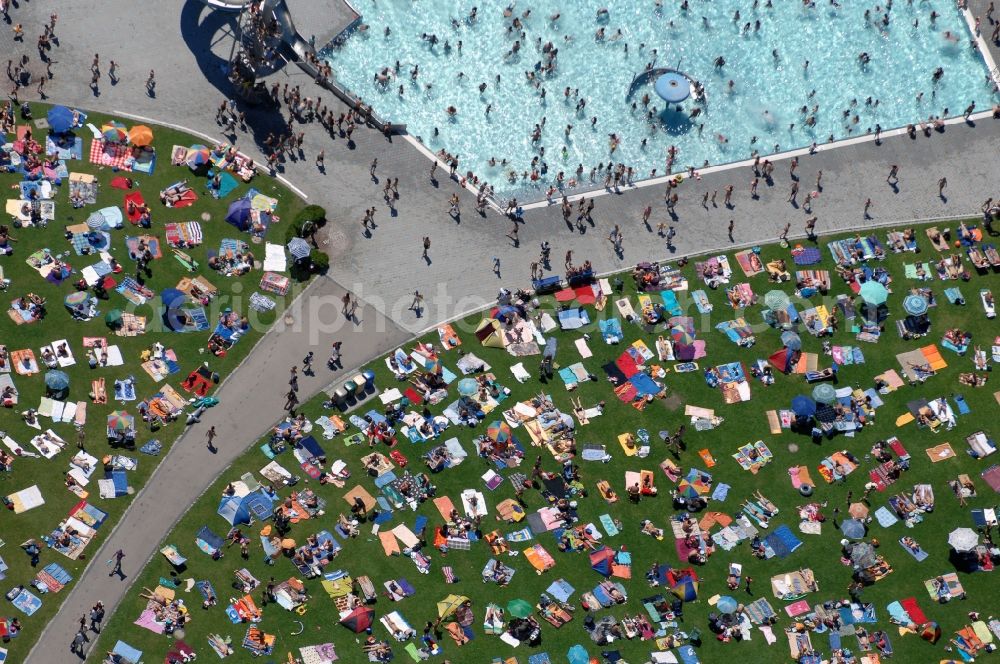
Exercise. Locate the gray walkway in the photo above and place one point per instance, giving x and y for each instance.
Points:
(187, 48)
(251, 401)
(386, 268)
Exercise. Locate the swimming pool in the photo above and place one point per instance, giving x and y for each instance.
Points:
(764, 97)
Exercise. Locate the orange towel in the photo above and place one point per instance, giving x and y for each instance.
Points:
(389, 544)
(444, 506)
(933, 357)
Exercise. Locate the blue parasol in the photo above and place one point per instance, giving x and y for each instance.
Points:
(467, 387)
(299, 248)
(803, 406)
(726, 604)
(791, 340)
(56, 380)
(673, 87)
(60, 119)
(852, 529)
(915, 305)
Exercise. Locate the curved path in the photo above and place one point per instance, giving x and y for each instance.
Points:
(384, 269)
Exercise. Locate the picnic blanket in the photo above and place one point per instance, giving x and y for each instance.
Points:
(111, 155)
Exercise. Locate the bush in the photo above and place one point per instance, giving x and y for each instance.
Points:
(319, 261)
(313, 213)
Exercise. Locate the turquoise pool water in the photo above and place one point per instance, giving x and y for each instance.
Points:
(765, 52)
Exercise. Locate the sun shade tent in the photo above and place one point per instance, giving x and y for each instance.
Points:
(782, 360)
(359, 619)
(242, 510)
(450, 604)
(208, 541)
(489, 333)
(601, 561)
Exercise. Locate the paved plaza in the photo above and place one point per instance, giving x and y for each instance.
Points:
(187, 45)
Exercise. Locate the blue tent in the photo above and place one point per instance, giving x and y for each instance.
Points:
(310, 445)
(239, 214)
(242, 510)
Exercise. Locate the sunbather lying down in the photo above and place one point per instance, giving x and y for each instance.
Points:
(174, 192)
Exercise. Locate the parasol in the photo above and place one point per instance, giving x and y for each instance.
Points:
(140, 135)
(776, 300)
(519, 608)
(791, 340)
(874, 293)
(963, 539)
(824, 393)
(915, 305)
(803, 406)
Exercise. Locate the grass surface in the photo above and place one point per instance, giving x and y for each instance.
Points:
(744, 422)
(58, 324)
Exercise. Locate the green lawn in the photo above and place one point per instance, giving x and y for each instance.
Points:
(190, 350)
(744, 422)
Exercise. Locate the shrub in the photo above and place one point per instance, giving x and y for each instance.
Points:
(319, 261)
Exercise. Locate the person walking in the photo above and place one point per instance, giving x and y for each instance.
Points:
(113, 72)
(811, 227)
(732, 226)
(307, 364)
(942, 183)
(320, 161)
(293, 379)
(893, 177)
(371, 169)
(334, 360)
(649, 211)
(210, 438)
(291, 401)
(784, 233)
(116, 562)
(76, 646)
(434, 167)
(728, 200)
(418, 300)
(151, 83)
(346, 301)
(512, 235)
(496, 266)
(747, 580)
(868, 207)
(427, 247)
(97, 617)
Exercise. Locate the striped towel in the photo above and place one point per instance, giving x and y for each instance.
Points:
(261, 302)
(522, 535)
(449, 575)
